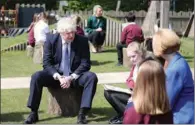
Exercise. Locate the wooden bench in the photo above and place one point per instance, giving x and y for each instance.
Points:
(126, 60)
(64, 102)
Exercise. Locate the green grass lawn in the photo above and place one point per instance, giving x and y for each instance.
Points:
(17, 64)
(187, 50)
(14, 110)
(13, 102)
(10, 41)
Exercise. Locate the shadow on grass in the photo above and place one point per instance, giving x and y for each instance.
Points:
(101, 114)
(14, 116)
(189, 58)
(109, 51)
(96, 114)
(96, 63)
(50, 118)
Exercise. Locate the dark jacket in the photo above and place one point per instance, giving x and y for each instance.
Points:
(80, 55)
(94, 22)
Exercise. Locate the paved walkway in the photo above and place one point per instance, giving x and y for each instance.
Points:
(104, 78)
(24, 82)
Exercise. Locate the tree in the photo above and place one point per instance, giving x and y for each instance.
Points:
(126, 5)
(77, 5)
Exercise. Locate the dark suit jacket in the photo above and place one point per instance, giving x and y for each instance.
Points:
(80, 55)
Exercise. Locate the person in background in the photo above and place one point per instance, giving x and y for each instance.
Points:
(179, 81)
(30, 30)
(40, 30)
(96, 29)
(66, 64)
(118, 100)
(131, 32)
(150, 104)
(77, 20)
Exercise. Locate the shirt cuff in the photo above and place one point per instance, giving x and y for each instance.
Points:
(75, 76)
(56, 75)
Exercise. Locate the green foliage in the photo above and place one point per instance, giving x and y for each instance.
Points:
(77, 5)
(184, 5)
(126, 5)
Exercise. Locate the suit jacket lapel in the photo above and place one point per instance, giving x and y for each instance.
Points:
(59, 49)
(72, 53)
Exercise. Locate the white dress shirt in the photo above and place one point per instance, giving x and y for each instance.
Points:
(64, 44)
(40, 30)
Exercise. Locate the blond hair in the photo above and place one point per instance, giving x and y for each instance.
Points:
(76, 19)
(35, 17)
(149, 96)
(137, 48)
(95, 9)
(165, 41)
(42, 16)
(66, 24)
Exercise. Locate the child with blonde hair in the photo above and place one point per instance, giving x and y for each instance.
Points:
(119, 99)
(150, 104)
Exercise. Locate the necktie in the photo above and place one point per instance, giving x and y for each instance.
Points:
(66, 61)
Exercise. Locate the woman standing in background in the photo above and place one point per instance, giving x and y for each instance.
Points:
(40, 30)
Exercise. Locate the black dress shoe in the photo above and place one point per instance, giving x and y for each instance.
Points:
(81, 119)
(117, 120)
(32, 118)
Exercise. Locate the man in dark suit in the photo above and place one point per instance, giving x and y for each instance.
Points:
(66, 62)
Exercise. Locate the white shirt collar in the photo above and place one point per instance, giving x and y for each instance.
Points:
(64, 42)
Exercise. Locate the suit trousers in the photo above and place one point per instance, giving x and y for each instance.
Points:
(119, 48)
(118, 100)
(97, 38)
(40, 79)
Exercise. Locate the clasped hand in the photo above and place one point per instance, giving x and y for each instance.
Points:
(65, 81)
(99, 29)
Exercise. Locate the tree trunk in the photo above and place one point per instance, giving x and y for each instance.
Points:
(64, 102)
